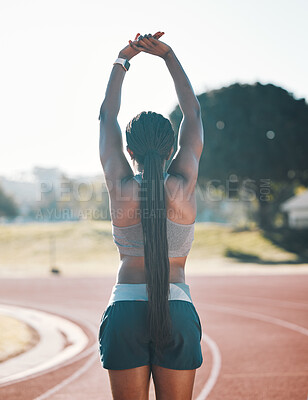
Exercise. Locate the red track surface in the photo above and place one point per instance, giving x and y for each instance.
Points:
(259, 324)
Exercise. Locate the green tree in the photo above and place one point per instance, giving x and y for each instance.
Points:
(8, 207)
(257, 132)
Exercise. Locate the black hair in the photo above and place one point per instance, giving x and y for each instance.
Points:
(150, 137)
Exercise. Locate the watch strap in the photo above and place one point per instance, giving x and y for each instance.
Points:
(122, 61)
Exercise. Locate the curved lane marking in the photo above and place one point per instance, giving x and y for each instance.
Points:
(215, 350)
(248, 314)
(212, 345)
(49, 351)
(68, 380)
(258, 316)
(202, 396)
(210, 383)
(274, 302)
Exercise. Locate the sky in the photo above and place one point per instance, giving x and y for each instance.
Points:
(57, 55)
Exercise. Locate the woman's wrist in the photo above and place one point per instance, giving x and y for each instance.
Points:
(126, 56)
(168, 55)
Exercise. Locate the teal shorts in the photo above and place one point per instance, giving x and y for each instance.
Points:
(123, 335)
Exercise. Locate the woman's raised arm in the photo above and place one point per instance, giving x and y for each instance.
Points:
(186, 160)
(113, 160)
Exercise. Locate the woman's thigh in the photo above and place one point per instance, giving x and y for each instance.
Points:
(130, 384)
(171, 384)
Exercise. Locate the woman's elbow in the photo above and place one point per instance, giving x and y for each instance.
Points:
(103, 112)
(200, 148)
(197, 108)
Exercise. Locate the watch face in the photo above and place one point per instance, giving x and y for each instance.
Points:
(126, 65)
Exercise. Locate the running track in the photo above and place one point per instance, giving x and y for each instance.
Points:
(255, 341)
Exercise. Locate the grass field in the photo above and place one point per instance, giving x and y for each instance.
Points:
(15, 337)
(86, 248)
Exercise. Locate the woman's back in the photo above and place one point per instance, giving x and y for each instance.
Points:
(127, 227)
(180, 200)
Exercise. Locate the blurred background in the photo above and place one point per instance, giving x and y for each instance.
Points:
(247, 61)
(248, 65)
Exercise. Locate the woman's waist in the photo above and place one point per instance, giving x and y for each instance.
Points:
(135, 274)
(138, 292)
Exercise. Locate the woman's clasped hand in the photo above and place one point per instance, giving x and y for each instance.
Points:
(146, 43)
(151, 44)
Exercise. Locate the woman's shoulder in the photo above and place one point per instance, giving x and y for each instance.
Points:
(176, 187)
(180, 206)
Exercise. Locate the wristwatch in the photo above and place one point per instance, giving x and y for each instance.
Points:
(122, 61)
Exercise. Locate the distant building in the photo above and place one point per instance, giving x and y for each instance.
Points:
(48, 176)
(45, 194)
(297, 209)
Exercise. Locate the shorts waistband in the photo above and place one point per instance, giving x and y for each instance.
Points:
(137, 291)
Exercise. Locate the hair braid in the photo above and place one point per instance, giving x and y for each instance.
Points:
(150, 137)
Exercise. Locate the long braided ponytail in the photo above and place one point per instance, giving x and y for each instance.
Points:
(150, 137)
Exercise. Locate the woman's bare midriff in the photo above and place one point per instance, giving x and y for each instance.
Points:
(131, 270)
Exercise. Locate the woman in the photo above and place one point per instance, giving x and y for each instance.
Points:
(150, 324)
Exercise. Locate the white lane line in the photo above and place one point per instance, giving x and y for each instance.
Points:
(210, 383)
(85, 353)
(215, 350)
(50, 350)
(70, 379)
(278, 303)
(258, 316)
(202, 396)
(79, 357)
